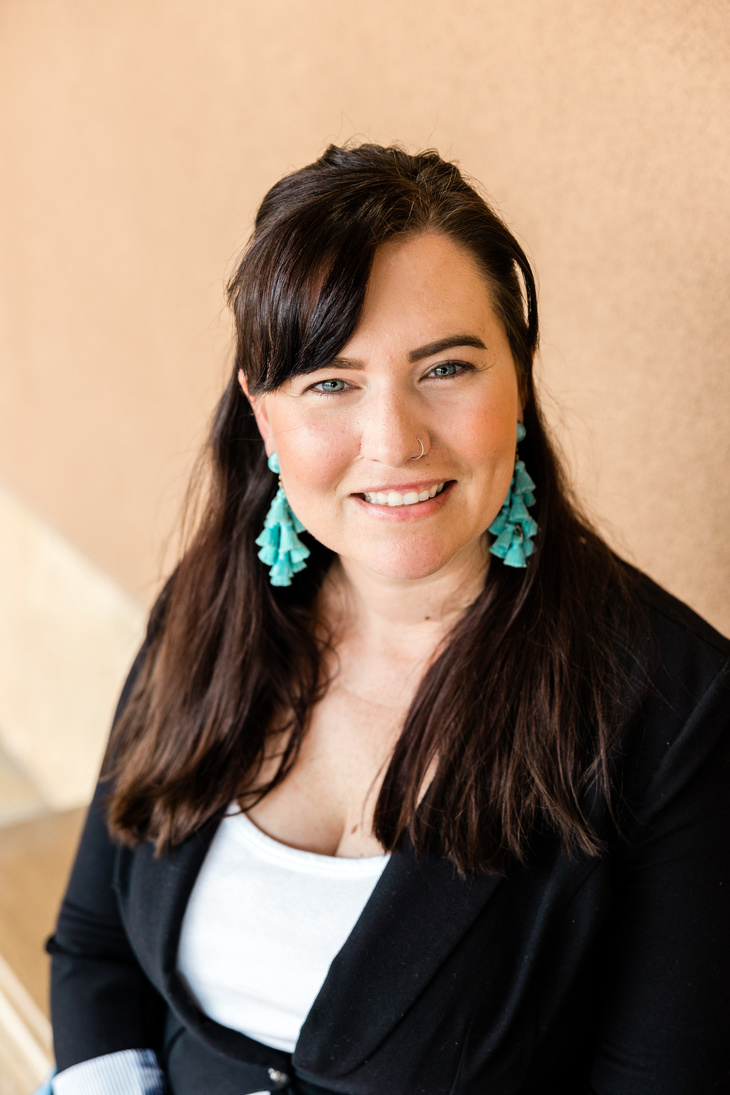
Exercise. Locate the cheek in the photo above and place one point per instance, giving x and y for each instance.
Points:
(487, 438)
(487, 441)
(313, 461)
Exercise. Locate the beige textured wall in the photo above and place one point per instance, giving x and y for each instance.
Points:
(137, 139)
(68, 634)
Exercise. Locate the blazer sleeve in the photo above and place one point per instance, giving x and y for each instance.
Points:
(666, 1003)
(101, 1001)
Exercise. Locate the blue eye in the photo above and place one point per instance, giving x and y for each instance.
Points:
(449, 368)
(329, 387)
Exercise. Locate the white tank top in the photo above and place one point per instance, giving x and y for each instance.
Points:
(262, 925)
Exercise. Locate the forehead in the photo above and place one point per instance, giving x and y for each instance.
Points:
(421, 289)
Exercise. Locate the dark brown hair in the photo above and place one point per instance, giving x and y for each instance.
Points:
(519, 709)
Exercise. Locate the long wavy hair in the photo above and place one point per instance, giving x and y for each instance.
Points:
(519, 711)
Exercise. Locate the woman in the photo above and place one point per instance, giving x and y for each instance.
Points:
(414, 787)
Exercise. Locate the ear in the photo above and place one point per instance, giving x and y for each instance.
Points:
(258, 406)
(523, 398)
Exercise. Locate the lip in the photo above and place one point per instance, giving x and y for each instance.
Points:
(402, 488)
(406, 513)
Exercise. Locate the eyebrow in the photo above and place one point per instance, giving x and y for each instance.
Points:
(442, 344)
(428, 350)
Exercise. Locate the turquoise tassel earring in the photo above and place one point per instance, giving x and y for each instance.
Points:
(513, 526)
(281, 548)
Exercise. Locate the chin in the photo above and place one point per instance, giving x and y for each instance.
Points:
(407, 565)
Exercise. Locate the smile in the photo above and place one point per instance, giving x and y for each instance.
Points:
(409, 498)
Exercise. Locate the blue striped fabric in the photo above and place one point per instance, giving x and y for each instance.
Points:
(128, 1072)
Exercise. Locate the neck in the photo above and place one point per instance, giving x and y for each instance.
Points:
(402, 619)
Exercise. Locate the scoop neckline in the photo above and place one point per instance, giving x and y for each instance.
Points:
(270, 848)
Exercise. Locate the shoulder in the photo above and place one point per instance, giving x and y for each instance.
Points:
(676, 625)
(683, 655)
(676, 721)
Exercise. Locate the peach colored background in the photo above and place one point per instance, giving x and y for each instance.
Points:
(137, 139)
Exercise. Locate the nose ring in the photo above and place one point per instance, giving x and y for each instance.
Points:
(418, 439)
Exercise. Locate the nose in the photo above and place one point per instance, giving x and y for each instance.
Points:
(391, 427)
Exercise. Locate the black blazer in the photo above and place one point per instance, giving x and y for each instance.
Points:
(570, 976)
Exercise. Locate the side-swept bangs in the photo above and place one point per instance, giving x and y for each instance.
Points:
(299, 289)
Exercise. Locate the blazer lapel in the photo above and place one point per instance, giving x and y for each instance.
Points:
(153, 896)
(415, 916)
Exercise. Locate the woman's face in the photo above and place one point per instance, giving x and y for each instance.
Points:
(429, 363)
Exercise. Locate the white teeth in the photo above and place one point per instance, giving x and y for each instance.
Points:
(394, 498)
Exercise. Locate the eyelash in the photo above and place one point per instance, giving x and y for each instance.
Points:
(460, 366)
